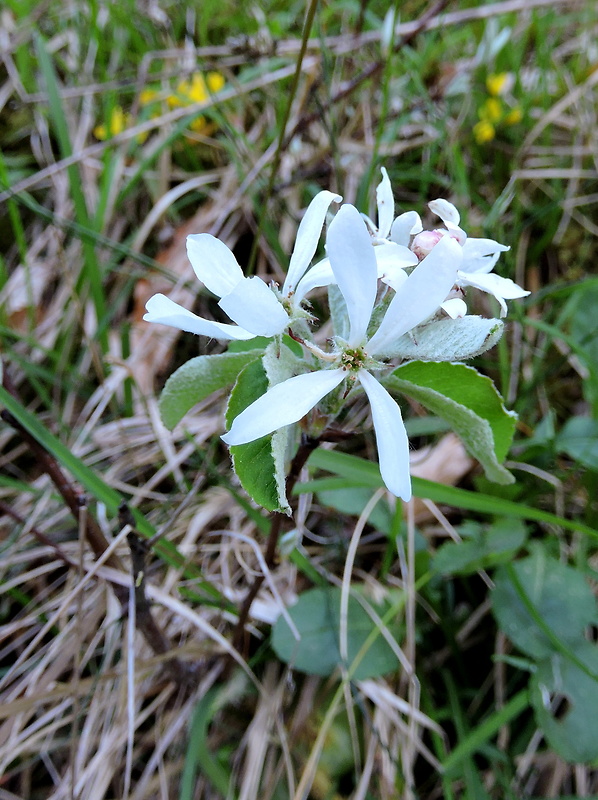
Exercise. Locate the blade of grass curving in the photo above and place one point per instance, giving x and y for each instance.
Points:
(475, 740)
(357, 472)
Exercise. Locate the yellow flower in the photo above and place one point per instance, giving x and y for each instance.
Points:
(148, 96)
(196, 90)
(483, 131)
(514, 116)
(491, 110)
(117, 123)
(499, 83)
(215, 81)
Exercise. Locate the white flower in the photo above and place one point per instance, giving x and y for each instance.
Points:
(353, 262)
(249, 302)
(479, 256)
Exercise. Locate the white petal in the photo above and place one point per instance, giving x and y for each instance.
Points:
(502, 288)
(165, 311)
(386, 205)
(405, 226)
(420, 295)
(390, 269)
(254, 306)
(397, 254)
(213, 263)
(354, 265)
(455, 307)
(391, 437)
(445, 210)
(283, 404)
(480, 255)
(320, 274)
(457, 233)
(308, 236)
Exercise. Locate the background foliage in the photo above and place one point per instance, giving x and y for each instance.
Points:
(466, 663)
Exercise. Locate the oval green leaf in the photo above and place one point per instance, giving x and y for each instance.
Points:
(197, 379)
(317, 618)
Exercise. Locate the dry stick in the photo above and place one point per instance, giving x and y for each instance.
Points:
(306, 448)
(75, 500)
(367, 73)
(155, 637)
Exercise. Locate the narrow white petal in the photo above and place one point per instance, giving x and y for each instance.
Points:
(308, 236)
(320, 274)
(391, 437)
(165, 311)
(405, 226)
(502, 288)
(455, 307)
(457, 233)
(354, 265)
(283, 404)
(254, 306)
(445, 210)
(386, 205)
(480, 255)
(213, 263)
(420, 295)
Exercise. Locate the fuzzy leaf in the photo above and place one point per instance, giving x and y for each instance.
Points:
(197, 379)
(258, 464)
(448, 339)
(469, 402)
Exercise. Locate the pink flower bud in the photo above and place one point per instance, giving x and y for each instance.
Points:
(424, 242)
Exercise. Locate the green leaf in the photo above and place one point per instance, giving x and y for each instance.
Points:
(255, 462)
(448, 339)
(317, 618)
(486, 548)
(197, 379)
(565, 699)
(543, 606)
(469, 402)
(579, 439)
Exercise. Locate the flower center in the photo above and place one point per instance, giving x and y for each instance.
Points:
(353, 359)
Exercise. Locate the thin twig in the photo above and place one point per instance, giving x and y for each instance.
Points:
(146, 623)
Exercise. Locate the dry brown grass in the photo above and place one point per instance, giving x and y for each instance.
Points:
(87, 709)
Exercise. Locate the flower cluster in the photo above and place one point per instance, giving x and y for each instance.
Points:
(196, 89)
(397, 283)
(118, 121)
(493, 110)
